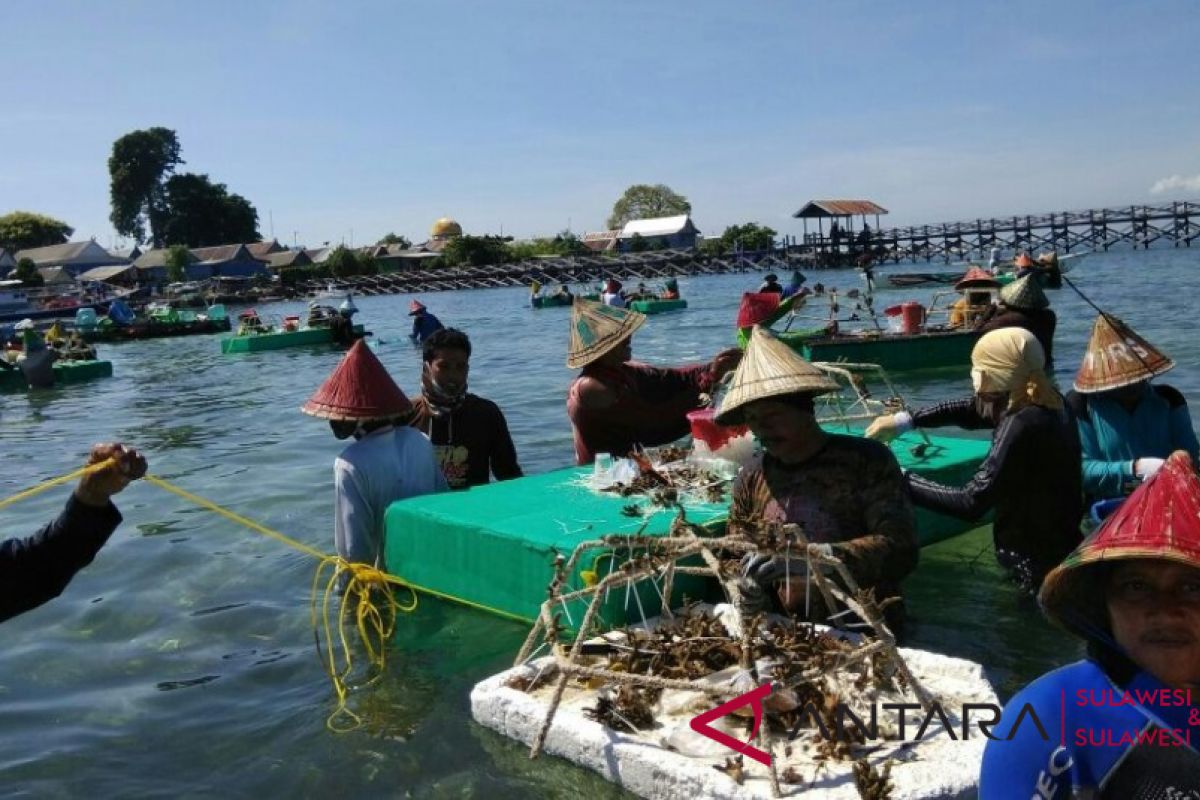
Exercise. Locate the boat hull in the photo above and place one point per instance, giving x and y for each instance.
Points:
(657, 306)
(551, 301)
(154, 330)
(256, 342)
(893, 352)
(65, 372)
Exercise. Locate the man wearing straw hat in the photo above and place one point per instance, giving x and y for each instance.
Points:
(1023, 304)
(1125, 721)
(616, 404)
(388, 461)
(846, 492)
(1031, 474)
(1126, 425)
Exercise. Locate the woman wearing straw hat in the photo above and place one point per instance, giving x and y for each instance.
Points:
(424, 324)
(1031, 475)
(1126, 425)
(1023, 304)
(388, 462)
(976, 287)
(616, 404)
(846, 492)
(1124, 722)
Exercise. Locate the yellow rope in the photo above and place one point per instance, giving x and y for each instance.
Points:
(363, 584)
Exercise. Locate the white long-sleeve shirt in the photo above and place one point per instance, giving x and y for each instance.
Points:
(387, 464)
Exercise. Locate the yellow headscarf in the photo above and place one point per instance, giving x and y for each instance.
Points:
(1012, 360)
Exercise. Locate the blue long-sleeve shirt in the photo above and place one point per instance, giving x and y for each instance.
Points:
(1112, 438)
(425, 325)
(1096, 740)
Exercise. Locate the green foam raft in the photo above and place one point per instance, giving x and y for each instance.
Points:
(65, 372)
(278, 340)
(492, 547)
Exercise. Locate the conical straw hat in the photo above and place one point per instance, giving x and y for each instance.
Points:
(1160, 520)
(756, 308)
(1025, 293)
(597, 328)
(359, 390)
(1116, 356)
(770, 369)
(1023, 261)
(976, 278)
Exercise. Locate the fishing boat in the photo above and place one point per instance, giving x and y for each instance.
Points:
(551, 300)
(160, 321)
(493, 547)
(897, 352)
(657, 305)
(65, 372)
(909, 279)
(16, 302)
(255, 334)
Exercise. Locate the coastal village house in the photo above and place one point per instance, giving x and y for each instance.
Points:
(676, 233)
(74, 257)
(230, 261)
(601, 241)
(151, 267)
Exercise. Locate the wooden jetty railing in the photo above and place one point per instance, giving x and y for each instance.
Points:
(1138, 226)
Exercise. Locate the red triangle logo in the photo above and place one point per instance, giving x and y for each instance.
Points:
(700, 723)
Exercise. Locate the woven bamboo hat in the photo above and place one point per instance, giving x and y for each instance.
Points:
(1023, 261)
(977, 278)
(769, 369)
(358, 390)
(597, 328)
(1160, 520)
(1116, 356)
(1025, 293)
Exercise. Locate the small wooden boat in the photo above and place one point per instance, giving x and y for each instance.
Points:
(895, 352)
(657, 305)
(907, 279)
(551, 300)
(253, 342)
(152, 328)
(65, 372)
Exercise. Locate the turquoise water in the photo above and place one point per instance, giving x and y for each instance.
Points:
(182, 660)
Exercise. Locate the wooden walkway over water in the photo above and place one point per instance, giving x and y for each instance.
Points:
(1136, 226)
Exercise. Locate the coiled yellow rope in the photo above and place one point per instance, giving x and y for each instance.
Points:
(364, 584)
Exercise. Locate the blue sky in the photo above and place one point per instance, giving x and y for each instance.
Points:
(340, 119)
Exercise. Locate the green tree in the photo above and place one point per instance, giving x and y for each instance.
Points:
(477, 251)
(26, 272)
(392, 238)
(643, 201)
(178, 257)
(200, 213)
(345, 263)
(750, 236)
(638, 243)
(138, 168)
(22, 230)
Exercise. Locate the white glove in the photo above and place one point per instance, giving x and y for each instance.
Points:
(1146, 467)
(888, 427)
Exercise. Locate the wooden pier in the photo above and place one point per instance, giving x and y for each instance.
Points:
(1137, 226)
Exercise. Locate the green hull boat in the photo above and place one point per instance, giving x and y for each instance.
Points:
(492, 547)
(551, 301)
(278, 340)
(894, 352)
(64, 372)
(657, 306)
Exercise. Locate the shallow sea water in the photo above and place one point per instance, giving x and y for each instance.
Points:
(182, 663)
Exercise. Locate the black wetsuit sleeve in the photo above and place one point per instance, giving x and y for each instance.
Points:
(38, 568)
(979, 495)
(959, 413)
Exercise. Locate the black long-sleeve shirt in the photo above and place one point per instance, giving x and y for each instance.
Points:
(38, 568)
(1032, 477)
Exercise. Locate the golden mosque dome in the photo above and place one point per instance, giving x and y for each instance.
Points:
(444, 228)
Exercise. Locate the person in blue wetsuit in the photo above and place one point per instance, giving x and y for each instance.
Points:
(1125, 722)
(1127, 425)
(424, 323)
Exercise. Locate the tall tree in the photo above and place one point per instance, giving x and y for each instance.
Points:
(476, 251)
(21, 230)
(643, 201)
(200, 213)
(139, 166)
